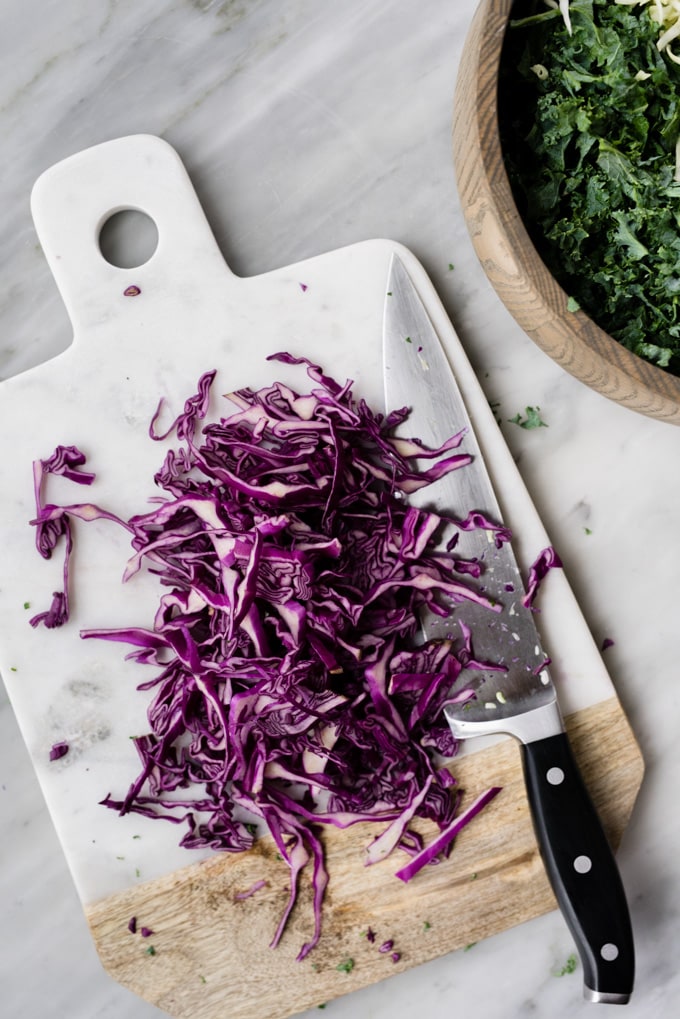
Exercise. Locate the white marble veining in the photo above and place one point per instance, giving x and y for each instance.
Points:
(305, 127)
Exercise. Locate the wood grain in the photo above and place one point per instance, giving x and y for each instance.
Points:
(210, 953)
(511, 262)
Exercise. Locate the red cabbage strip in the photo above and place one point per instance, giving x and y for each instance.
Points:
(52, 523)
(383, 845)
(297, 843)
(239, 896)
(288, 681)
(445, 837)
(547, 560)
(195, 408)
(475, 520)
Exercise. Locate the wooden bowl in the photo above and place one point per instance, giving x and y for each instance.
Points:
(514, 267)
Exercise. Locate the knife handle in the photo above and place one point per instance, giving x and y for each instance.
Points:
(581, 868)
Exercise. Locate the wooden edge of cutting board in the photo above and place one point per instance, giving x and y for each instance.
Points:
(209, 953)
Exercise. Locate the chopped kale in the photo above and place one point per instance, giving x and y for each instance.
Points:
(590, 149)
(532, 420)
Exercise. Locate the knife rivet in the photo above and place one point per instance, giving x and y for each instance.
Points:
(609, 952)
(582, 864)
(555, 776)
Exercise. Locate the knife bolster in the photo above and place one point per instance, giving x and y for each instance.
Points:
(527, 726)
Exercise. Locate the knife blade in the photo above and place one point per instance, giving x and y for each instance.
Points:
(519, 698)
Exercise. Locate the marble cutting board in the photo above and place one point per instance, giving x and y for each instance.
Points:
(210, 948)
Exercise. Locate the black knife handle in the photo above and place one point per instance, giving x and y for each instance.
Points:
(581, 867)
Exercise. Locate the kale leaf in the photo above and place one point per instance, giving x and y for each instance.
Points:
(590, 150)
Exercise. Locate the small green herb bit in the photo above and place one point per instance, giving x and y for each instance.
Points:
(532, 419)
(346, 966)
(569, 966)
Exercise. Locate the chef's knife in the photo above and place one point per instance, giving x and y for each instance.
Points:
(519, 699)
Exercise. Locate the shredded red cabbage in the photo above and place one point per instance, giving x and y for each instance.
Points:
(446, 836)
(239, 896)
(547, 560)
(54, 522)
(287, 680)
(59, 750)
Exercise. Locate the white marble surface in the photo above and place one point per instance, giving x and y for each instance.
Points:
(306, 127)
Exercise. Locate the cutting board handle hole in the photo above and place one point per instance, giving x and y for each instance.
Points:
(128, 238)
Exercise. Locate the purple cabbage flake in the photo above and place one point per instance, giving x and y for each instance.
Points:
(547, 560)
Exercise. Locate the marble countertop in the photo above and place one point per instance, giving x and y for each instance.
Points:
(306, 127)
